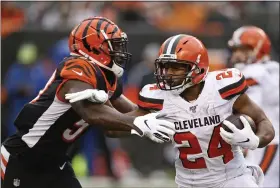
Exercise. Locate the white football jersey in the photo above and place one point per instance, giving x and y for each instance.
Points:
(203, 158)
(263, 82)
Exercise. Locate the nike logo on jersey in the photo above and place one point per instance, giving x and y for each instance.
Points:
(245, 141)
(61, 167)
(78, 73)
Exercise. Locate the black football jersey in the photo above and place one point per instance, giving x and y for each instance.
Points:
(48, 125)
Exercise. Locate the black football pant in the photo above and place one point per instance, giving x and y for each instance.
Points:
(14, 173)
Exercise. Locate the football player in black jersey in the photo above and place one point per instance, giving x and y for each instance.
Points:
(36, 155)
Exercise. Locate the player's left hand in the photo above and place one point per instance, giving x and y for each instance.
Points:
(156, 129)
(245, 137)
(93, 95)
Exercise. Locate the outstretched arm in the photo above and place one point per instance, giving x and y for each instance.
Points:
(117, 134)
(110, 119)
(123, 104)
(97, 114)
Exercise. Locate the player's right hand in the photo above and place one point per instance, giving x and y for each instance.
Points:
(245, 137)
(157, 130)
(93, 95)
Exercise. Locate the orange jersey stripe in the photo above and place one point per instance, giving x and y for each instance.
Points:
(4, 161)
(234, 90)
(268, 157)
(251, 82)
(2, 174)
(149, 105)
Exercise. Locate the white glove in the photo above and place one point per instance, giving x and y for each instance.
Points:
(245, 137)
(157, 130)
(93, 95)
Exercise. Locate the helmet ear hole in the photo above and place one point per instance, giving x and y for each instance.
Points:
(202, 71)
(94, 50)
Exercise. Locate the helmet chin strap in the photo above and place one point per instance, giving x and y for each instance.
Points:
(182, 88)
(117, 70)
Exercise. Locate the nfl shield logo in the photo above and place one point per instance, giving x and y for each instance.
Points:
(16, 182)
(193, 109)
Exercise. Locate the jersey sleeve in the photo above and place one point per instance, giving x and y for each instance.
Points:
(150, 98)
(255, 74)
(79, 69)
(231, 83)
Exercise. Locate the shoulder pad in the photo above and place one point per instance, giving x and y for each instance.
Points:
(230, 83)
(150, 98)
(79, 69)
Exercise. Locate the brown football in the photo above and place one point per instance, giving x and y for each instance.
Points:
(234, 119)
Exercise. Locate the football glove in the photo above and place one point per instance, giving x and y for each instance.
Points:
(245, 137)
(93, 95)
(155, 129)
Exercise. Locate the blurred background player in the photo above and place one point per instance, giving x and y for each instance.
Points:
(250, 47)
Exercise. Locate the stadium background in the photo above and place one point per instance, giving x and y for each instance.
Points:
(34, 39)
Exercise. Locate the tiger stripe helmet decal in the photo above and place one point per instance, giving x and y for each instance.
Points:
(102, 42)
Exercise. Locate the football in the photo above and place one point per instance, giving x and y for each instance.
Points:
(235, 119)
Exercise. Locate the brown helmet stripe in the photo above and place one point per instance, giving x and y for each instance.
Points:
(166, 45)
(175, 44)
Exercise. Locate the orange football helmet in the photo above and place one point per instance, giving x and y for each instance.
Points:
(183, 49)
(102, 42)
(254, 38)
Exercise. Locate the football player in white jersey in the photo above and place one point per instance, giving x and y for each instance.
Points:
(251, 55)
(197, 102)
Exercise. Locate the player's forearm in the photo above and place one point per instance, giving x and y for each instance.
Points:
(117, 134)
(123, 104)
(112, 120)
(105, 116)
(265, 132)
(138, 112)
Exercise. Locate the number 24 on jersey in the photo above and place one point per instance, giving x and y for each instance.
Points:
(217, 147)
